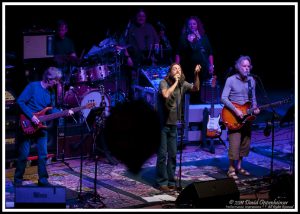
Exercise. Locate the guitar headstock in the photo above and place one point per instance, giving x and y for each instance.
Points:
(90, 105)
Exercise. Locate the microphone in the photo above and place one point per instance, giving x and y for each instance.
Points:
(252, 75)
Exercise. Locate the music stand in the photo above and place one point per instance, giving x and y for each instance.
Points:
(95, 201)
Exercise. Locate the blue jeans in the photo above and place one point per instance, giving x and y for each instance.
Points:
(166, 156)
(24, 150)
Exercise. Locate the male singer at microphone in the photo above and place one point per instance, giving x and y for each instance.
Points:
(172, 88)
(240, 89)
(35, 97)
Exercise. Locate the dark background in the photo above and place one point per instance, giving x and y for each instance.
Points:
(265, 33)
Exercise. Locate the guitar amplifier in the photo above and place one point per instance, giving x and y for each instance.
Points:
(194, 118)
(38, 46)
(72, 140)
(148, 94)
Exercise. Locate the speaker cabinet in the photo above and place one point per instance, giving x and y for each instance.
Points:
(40, 197)
(72, 140)
(72, 146)
(38, 46)
(208, 194)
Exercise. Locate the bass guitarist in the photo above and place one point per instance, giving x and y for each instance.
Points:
(35, 97)
(239, 90)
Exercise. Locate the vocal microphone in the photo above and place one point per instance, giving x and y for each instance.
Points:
(252, 75)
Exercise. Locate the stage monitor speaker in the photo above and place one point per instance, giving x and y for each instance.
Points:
(40, 197)
(208, 194)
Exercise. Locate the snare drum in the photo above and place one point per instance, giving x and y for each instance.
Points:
(99, 72)
(80, 75)
(98, 98)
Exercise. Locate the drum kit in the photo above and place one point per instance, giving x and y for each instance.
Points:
(88, 79)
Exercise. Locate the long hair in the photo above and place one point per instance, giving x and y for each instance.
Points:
(200, 27)
(170, 79)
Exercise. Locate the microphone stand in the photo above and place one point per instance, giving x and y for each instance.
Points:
(80, 196)
(179, 188)
(59, 100)
(274, 116)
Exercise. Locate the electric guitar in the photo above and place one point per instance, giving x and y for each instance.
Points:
(29, 128)
(232, 122)
(213, 127)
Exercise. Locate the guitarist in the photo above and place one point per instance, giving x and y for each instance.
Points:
(35, 97)
(239, 88)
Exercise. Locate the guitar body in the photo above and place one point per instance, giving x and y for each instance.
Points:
(28, 127)
(231, 121)
(213, 127)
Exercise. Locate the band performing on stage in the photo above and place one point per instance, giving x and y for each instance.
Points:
(176, 108)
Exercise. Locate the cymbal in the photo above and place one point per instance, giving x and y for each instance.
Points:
(107, 42)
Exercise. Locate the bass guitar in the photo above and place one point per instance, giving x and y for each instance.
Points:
(213, 125)
(232, 122)
(29, 128)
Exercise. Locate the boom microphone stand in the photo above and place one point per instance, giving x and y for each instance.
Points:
(274, 116)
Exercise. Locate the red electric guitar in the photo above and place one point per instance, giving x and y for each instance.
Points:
(29, 128)
(232, 122)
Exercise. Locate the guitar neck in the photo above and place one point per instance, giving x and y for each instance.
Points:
(53, 116)
(250, 111)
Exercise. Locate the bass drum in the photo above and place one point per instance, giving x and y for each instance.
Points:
(74, 95)
(98, 98)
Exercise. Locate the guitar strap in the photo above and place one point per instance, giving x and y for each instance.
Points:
(250, 95)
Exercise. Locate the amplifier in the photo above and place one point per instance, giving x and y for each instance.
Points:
(40, 197)
(147, 94)
(72, 139)
(37, 46)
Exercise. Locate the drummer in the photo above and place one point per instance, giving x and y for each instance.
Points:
(141, 39)
(64, 50)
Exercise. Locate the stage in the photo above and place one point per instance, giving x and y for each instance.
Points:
(117, 188)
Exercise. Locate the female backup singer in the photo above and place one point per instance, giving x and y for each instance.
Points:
(194, 48)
